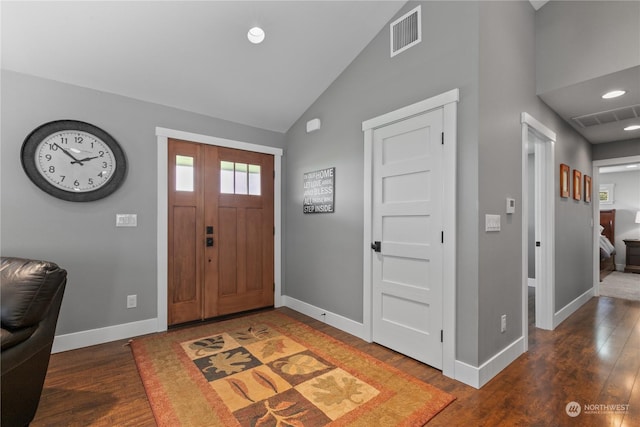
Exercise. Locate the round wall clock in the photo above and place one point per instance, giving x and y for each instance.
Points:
(73, 160)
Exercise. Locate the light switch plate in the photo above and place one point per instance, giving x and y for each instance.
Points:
(126, 220)
(492, 222)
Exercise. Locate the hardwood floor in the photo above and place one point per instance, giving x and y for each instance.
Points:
(592, 358)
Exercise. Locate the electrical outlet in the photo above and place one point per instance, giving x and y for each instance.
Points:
(503, 323)
(132, 301)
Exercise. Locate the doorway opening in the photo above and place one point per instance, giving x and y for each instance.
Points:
(447, 103)
(597, 181)
(163, 136)
(538, 245)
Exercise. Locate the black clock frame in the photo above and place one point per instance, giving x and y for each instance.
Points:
(28, 158)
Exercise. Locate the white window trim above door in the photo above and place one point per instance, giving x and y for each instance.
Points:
(163, 136)
(448, 101)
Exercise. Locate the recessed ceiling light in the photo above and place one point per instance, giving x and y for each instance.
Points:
(256, 35)
(613, 94)
(632, 127)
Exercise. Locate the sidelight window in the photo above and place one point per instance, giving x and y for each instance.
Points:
(184, 173)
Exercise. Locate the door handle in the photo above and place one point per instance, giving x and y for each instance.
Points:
(376, 246)
(209, 241)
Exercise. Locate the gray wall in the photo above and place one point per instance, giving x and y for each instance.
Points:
(613, 150)
(576, 41)
(487, 49)
(105, 263)
(324, 252)
(507, 88)
(626, 203)
(574, 234)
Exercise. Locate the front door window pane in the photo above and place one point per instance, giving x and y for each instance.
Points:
(254, 180)
(184, 173)
(226, 177)
(241, 178)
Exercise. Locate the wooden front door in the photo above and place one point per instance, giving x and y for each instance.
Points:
(221, 228)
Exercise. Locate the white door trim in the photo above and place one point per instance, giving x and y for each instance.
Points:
(448, 101)
(597, 164)
(544, 176)
(163, 136)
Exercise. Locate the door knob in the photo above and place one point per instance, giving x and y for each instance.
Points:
(376, 246)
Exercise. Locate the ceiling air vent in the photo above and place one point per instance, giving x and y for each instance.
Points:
(604, 117)
(406, 31)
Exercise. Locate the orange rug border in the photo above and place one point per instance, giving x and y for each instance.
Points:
(160, 401)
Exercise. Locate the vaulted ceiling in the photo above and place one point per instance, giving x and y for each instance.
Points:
(195, 55)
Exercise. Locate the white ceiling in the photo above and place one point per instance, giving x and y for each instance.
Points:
(195, 55)
(585, 98)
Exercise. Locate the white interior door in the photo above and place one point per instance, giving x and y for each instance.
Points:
(407, 272)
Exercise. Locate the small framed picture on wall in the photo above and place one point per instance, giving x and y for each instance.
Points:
(564, 180)
(577, 185)
(587, 188)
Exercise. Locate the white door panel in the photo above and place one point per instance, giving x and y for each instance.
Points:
(407, 220)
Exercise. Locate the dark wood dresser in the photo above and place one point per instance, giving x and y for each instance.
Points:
(633, 256)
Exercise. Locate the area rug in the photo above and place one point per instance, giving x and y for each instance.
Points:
(268, 369)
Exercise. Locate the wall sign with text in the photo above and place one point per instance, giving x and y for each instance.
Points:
(319, 189)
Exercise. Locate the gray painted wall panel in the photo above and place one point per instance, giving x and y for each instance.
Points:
(104, 263)
(573, 41)
(613, 150)
(372, 85)
(507, 88)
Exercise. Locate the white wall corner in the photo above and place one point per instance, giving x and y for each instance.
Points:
(478, 376)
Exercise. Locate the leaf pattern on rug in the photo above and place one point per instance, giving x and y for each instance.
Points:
(253, 333)
(229, 363)
(335, 394)
(264, 380)
(272, 414)
(240, 388)
(300, 364)
(207, 345)
(272, 347)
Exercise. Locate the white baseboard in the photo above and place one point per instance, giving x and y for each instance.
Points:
(128, 330)
(350, 326)
(102, 335)
(620, 267)
(531, 282)
(570, 308)
(477, 377)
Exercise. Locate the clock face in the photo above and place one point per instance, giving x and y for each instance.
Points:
(73, 160)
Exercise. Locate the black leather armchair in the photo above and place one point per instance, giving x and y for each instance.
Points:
(30, 297)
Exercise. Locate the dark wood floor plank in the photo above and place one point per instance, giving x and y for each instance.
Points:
(591, 358)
